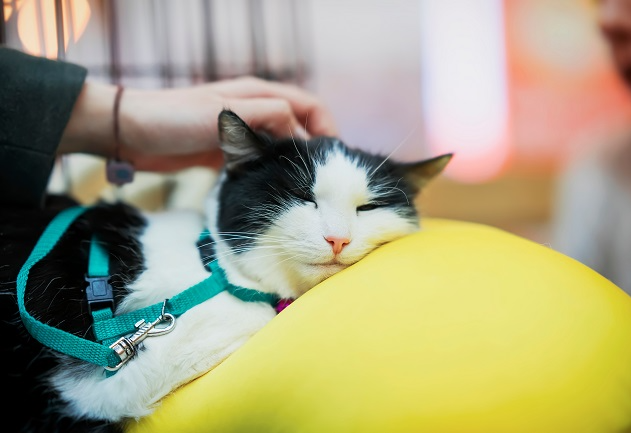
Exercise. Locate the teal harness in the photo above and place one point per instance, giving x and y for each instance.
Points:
(117, 338)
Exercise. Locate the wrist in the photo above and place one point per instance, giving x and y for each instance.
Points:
(91, 125)
(131, 136)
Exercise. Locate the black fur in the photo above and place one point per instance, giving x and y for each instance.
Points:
(284, 173)
(55, 295)
(264, 176)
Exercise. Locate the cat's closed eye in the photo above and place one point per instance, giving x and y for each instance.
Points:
(367, 207)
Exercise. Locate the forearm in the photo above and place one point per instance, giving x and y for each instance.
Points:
(91, 125)
(171, 129)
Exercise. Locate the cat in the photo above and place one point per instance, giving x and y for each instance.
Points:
(283, 216)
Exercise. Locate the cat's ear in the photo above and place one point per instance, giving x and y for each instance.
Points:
(420, 173)
(239, 143)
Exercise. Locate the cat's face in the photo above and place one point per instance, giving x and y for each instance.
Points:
(290, 213)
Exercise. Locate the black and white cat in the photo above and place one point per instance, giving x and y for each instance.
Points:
(283, 216)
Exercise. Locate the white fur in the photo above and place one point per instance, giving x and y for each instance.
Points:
(292, 257)
(202, 338)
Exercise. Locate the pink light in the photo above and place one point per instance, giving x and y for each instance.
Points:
(465, 103)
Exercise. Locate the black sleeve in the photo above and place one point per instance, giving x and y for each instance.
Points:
(36, 98)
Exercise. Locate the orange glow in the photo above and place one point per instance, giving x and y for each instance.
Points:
(37, 25)
(563, 85)
(8, 8)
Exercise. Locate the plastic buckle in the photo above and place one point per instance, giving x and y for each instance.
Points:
(98, 292)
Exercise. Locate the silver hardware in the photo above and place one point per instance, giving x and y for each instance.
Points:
(127, 347)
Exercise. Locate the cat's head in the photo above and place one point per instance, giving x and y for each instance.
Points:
(286, 214)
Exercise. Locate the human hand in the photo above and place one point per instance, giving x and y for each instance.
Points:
(171, 129)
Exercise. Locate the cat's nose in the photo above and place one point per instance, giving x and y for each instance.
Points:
(337, 243)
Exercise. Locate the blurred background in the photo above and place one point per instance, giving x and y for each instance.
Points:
(514, 88)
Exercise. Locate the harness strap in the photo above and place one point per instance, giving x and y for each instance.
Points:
(110, 328)
(54, 338)
(107, 329)
(114, 327)
(99, 264)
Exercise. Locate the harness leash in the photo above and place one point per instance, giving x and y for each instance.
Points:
(117, 337)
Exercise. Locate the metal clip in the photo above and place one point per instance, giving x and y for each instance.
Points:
(127, 347)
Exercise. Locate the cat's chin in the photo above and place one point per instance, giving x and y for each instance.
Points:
(322, 271)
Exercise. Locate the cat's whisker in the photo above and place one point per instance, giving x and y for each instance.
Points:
(271, 271)
(306, 139)
(305, 127)
(224, 235)
(299, 154)
(245, 250)
(244, 259)
(262, 211)
(386, 190)
(241, 233)
(271, 245)
(304, 178)
(281, 248)
(230, 238)
(393, 151)
(240, 250)
(402, 192)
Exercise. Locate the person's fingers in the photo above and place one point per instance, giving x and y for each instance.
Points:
(309, 110)
(271, 115)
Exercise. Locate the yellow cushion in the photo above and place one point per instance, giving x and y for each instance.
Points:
(459, 328)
